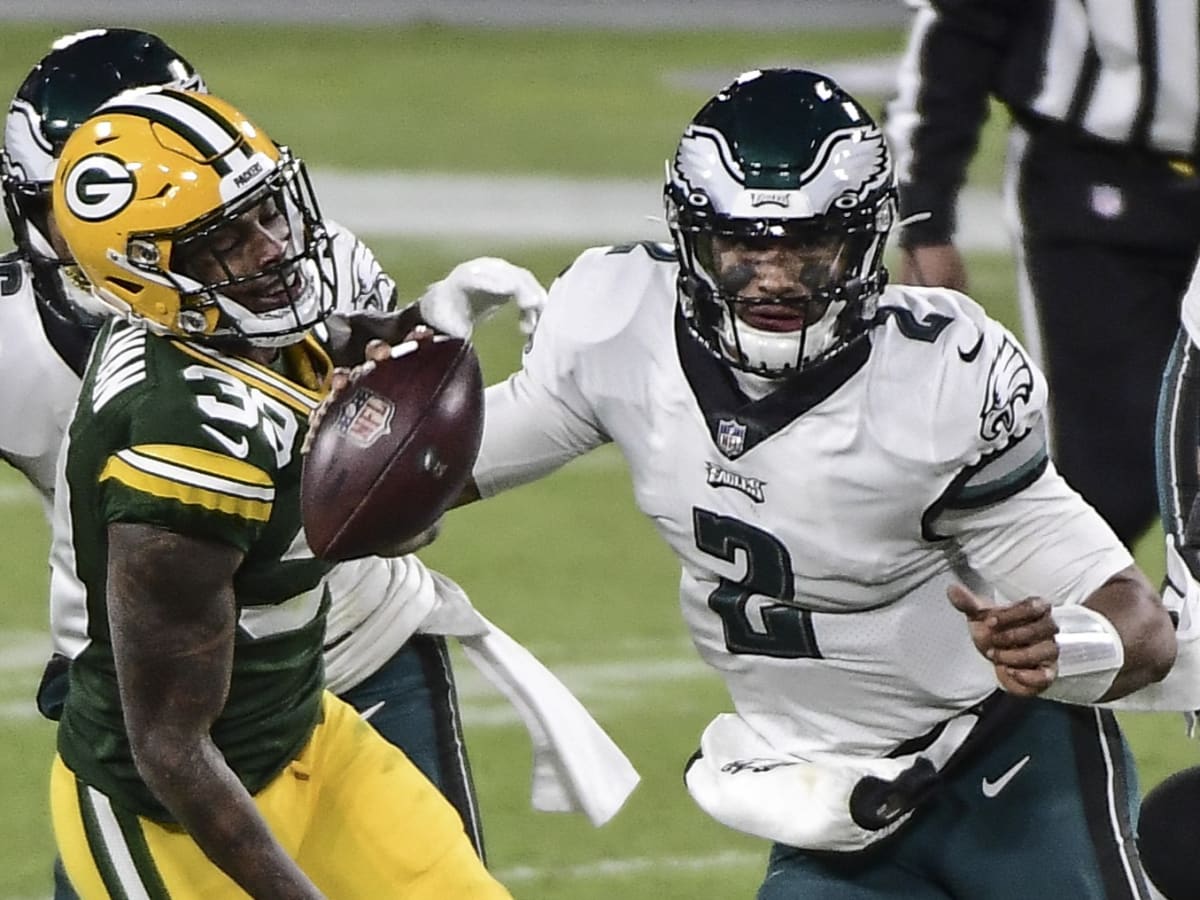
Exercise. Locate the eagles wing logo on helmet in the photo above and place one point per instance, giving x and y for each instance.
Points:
(851, 163)
(705, 150)
(1009, 382)
(98, 187)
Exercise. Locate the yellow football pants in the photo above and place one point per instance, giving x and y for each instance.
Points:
(355, 814)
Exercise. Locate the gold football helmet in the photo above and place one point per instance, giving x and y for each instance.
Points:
(185, 216)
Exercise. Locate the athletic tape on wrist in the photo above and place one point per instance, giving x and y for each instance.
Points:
(1090, 654)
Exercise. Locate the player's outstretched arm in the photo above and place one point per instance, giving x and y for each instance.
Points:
(1119, 640)
(172, 616)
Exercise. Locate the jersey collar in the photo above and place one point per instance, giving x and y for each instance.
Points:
(736, 423)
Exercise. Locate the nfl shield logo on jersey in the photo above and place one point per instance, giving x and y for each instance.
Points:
(365, 417)
(731, 438)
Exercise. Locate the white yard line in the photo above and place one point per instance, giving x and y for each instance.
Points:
(591, 678)
(615, 868)
(618, 868)
(523, 208)
(18, 495)
(606, 687)
(23, 650)
(627, 15)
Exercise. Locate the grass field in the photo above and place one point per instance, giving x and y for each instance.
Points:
(566, 565)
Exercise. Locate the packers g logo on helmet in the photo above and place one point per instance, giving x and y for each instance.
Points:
(188, 218)
(98, 187)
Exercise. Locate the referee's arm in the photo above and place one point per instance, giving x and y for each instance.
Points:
(952, 65)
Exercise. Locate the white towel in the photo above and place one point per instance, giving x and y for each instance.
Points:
(576, 765)
(743, 782)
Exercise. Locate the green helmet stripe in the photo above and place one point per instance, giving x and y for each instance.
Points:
(215, 140)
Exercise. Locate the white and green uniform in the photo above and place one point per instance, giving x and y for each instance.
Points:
(817, 527)
(41, 356)
(185, 438)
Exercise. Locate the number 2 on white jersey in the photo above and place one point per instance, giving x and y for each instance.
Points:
(785, 630)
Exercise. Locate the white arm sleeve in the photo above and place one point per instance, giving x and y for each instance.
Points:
(527, 433)
(1020, 525)
(1189, 313)
(542, 416)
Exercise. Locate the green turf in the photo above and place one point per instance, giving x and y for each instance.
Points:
(452, 99)
(567, 565)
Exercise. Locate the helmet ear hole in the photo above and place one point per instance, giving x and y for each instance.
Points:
(128, 287)
(143, 253)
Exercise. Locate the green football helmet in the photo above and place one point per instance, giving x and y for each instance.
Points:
(780, 199)
(81, 71)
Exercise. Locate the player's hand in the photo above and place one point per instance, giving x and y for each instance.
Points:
(934, 265)
(477, 288)
(1018, 640)
(341, 378)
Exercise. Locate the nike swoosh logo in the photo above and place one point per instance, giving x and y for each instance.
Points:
(371, 710)
(239, 448)
(992, 788)
(969, 355)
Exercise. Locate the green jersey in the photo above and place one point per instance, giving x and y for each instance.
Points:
(183, 437)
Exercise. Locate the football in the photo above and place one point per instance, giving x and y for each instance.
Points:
(393, 450)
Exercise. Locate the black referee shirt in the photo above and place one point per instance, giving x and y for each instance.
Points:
(1119, 72)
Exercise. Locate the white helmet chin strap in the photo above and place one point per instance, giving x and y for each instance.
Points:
(39, 243)
(263, 329)
(776, 353)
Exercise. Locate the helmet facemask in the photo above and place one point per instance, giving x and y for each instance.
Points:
(59, 281)
(780, 199)
(258, 271)
(779, 297)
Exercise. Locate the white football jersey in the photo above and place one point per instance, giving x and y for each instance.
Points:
(819, 527)
(37, 354)
(1190, 310)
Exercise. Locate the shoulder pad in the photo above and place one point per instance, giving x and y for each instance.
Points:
(947, 384)
(601, 293)
(361, 282)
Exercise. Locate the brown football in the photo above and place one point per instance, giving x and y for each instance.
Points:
(393, 450)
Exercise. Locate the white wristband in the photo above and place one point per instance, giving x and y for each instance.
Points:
(1090, 654)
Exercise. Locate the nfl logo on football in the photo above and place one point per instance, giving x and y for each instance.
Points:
(731, 438)
(365, 417)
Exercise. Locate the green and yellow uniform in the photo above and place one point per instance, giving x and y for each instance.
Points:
(183, 437)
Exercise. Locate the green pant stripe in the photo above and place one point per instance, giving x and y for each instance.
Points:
(139, 852)
(97, 846)
(119, 848)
